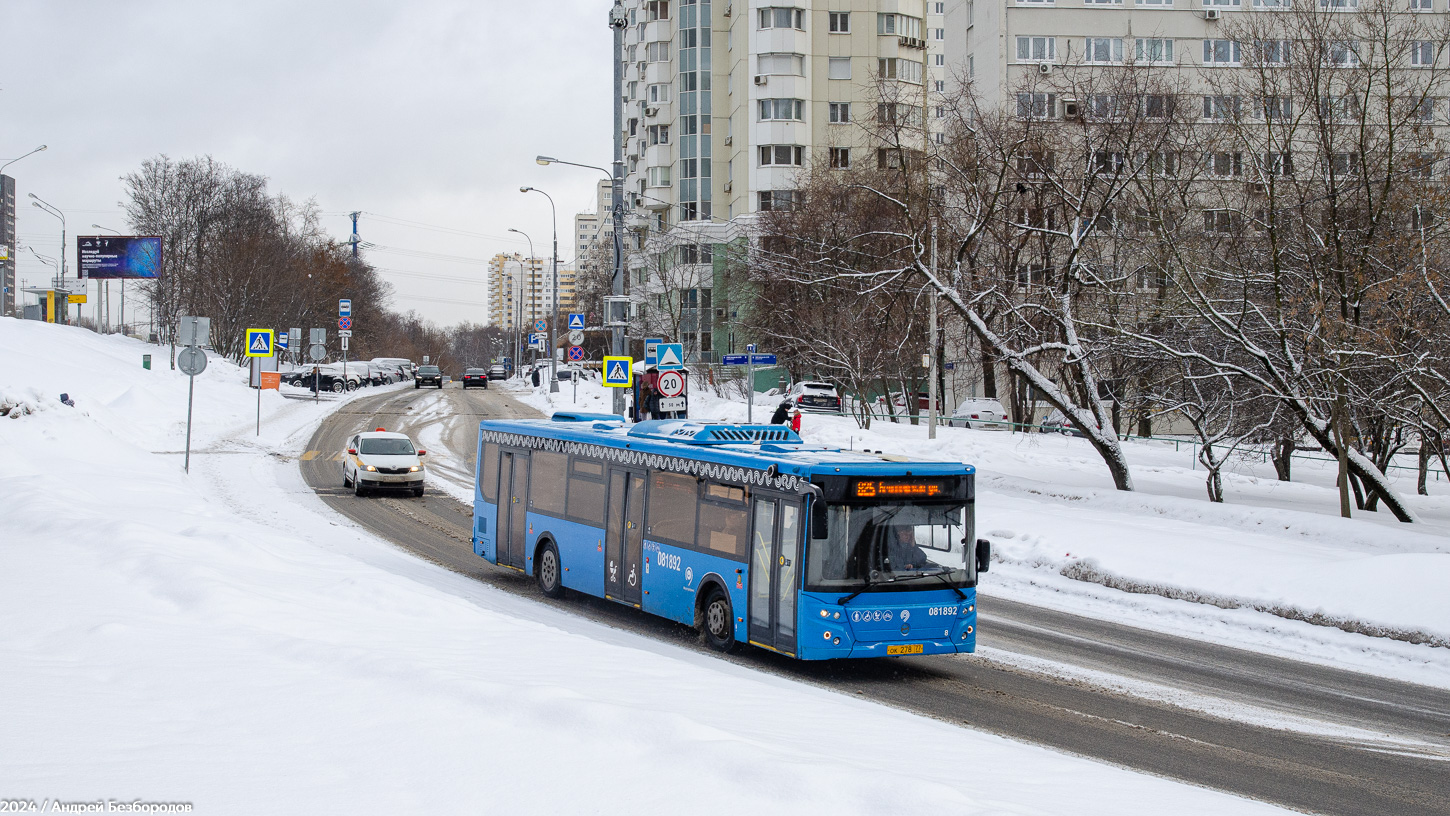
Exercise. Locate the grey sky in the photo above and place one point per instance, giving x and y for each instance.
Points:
(429, 111)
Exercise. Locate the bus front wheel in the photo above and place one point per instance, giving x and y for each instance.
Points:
(548, 573)
(717, 621)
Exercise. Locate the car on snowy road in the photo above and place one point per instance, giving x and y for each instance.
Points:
(428, 375)
(475, 376)
(379, 460)
(981, 414)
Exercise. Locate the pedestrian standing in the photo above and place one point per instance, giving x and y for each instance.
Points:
(782, 413)
(795, 419)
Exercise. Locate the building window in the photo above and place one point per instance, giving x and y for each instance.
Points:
(657, 10)
(1036, 105)
(782, 109)
(1036, 49)
(780, 64)
(1278, 164)
(778, 17)
(1104, 107)
(1157, 3)
(1422, 54)
(1222, 222)
(838, 68)
(1233, 3)
(941, 59)
(1423, 111)
(939, 8)
(1220, 107)
(777, 200)
(1277, 107)
(840, 112)
(1159, 163)
(782, 155)
(903, 69)
(1344, 164)
(840, 22)
(657, 52)
(1274, 52)
(1225, 164)
(840, 157)
(658, 93)
(940, 85)
(1339, 4)
(658, 134)
(1103, 50)
(1272, 5)
(1422, 5)
(1220, 52)
(659, 177)
(889, 158)
(1158, 106)
(893, 113)
(898, 25)
(1102, 2)
(1153, 51)
(1344, 54)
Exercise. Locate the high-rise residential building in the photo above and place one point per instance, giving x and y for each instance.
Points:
(521, 290)
(727, 104)
(8, 295)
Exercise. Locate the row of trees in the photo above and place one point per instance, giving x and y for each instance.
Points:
(245, 257)
(1260, 249)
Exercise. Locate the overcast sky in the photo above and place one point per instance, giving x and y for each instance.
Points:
(426, 111)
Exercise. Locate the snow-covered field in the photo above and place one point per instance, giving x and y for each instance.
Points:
(224, 639)
(1273, 568)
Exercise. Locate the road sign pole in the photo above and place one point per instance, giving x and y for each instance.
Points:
(190, 394)
(750, 384)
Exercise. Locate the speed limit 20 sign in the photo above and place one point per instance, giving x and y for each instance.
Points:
(672, 384)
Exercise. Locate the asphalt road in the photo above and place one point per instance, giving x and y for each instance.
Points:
(1379, 746)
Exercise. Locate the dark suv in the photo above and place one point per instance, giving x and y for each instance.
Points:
(428, 375)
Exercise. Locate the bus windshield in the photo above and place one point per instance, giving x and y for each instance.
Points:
(890, 546)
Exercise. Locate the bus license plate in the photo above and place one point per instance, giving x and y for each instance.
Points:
(904, 648)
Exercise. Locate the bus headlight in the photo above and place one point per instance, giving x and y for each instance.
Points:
(827, 635)
(824, 613)
(836, 642)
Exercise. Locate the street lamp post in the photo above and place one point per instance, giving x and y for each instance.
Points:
(617, 200)
(553, 307)
(519, 315)
(108, 289)
(55, 211)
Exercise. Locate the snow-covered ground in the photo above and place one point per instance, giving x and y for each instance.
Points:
(222, 638)
(1274, 568)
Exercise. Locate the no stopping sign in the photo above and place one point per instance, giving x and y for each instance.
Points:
(672, 384)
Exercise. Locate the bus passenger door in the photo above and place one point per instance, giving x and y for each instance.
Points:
(513, 523)
(624, 537)
(774, 568)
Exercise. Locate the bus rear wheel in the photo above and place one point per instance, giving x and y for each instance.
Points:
(717, 621)
(548, 573)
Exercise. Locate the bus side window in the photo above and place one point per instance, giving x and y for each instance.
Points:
(673, 498)
(550, 480)
(586, 492)
(723, 522)
(488, 473)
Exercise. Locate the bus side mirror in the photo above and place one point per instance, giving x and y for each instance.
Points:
(820, 528)
(984, 555)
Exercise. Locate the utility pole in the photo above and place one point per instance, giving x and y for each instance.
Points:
(617, 21)
(354, 239)
(935, 358)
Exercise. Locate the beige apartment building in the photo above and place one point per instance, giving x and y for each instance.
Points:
(519, 286)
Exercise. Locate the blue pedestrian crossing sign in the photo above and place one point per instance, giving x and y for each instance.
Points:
(259, 342)
(618, 372)
(670, 356)
(576, 321)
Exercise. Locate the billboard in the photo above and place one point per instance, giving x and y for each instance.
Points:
(119, 256)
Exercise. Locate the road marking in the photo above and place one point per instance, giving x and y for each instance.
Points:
(310, 455)
(337, 457)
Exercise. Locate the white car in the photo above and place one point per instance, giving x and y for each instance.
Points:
(980, 414)
(379, 460)
(815, 397)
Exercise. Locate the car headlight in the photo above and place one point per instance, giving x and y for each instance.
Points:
(415, 468)
(371, 469)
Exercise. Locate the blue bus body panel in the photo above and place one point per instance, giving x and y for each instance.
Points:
(937, 621)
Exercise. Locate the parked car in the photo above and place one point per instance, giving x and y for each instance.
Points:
(1057, 423)
(475, 376)
(815, 397)
(382, 460)
(428, 375)
(335, 380)
(405, 366)
(983, 414)
(498, 372)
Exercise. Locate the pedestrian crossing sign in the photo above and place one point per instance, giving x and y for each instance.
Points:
(618, 372)
(259, 342)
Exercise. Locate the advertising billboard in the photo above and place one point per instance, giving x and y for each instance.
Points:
(102, 257)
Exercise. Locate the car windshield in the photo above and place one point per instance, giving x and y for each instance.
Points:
(387, 446)
(818, 387)
(890, 546)
(428, 370)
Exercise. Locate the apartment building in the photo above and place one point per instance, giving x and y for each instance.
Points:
(521, 290)
(727, 103)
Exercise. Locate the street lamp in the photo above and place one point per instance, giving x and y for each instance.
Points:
(55, 211)
(519, 315)
(554, 310)
(18, 158)
(616, 21)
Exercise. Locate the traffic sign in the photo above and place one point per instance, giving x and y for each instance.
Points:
(319, 336)
(672, 384)
(618, 372)
(576, 337)
(191, 361)
(344, 333)
(748, 359)
(734, 359)
(538, 341)
(651, 351)
(762, 359)
(576, 353)
(576, 321)
(282, 340)
(541, 325)
(344, 323)
(318, 352)
(344, 308)
(671, 356)
(296, 335)
(259, 342)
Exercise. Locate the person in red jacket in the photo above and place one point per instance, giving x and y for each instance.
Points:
(795, 419)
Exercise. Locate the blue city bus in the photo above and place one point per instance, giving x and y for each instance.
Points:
(741, 531)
